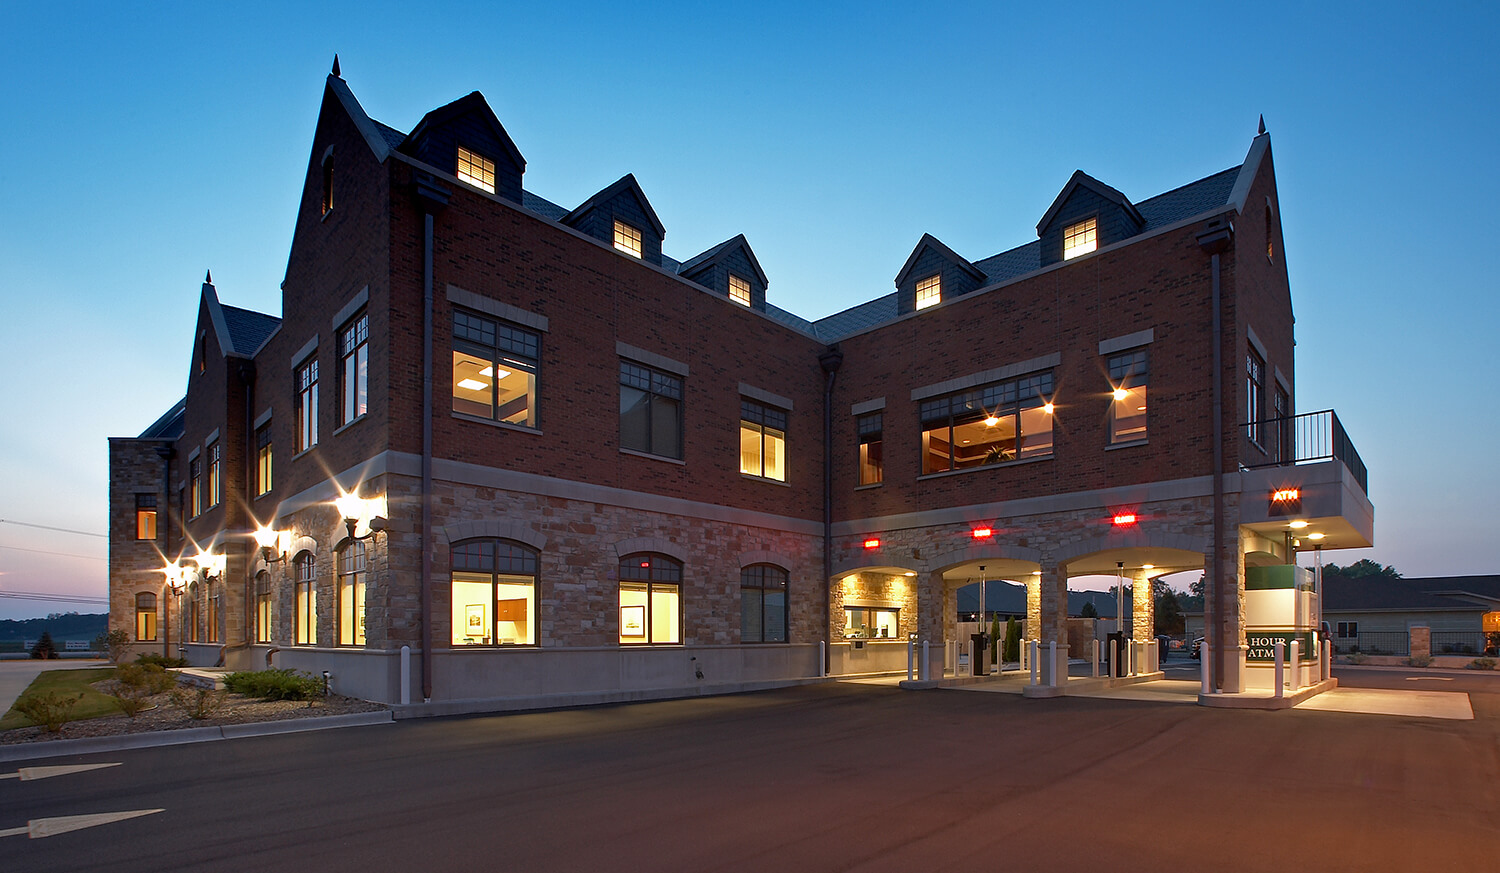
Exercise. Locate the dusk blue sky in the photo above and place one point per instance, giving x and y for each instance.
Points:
(141, 148)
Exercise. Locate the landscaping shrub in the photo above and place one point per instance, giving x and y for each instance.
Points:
(1357, 658)
(49, 709)
(275, 684)
(197, 701)
(134, 685)
(114, 644)
(1481, 664)
(1419, 661)
(1012, 640)
(160, 660)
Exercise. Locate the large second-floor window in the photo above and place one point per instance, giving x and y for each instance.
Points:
(354, 368)
(762, 440)
(871, 448)
(195, 486)
(263, 478)
(305, 429)
(650, 411)
(145, 516)
(215, 475)
(1127, 411)
(990, 424)
(494, 369)
(1255, 394)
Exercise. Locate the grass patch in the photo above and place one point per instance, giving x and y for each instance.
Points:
(68, 683)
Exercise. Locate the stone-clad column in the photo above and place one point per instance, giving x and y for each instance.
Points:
(1142, 608)
(1054, 604)
(1033, 607)
(930, 601)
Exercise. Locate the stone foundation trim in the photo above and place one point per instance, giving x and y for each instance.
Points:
(505, 530)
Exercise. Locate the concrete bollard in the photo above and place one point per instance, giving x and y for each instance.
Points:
(1031, 657)
(1327, 660)
(1096, 659)
(1280, 667)
(926, 662)
(1052, 664)
(1205, 670)
(1296, 663)
(822, 659)
(405, 675)
(910, 655)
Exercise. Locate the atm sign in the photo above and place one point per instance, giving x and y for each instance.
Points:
(1286, 501)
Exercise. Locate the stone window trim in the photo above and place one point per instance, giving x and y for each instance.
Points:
(1128, 341)
(263, 418)
(503, 425)
(766, 397)
(501, 530)
(489, 306)
(874, 405)
(662, 546)
(983, 377)
(300, 356)
(652, 359)
(350, 309)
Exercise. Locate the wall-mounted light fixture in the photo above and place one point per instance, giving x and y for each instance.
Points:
(353, 509)
(269, 541)
(210, 566)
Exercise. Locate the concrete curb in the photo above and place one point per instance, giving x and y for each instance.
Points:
(1446, 671)
(572, 700)
(1264, 700)
(155, 739)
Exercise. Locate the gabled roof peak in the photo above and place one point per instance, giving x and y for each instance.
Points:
(472, 102)
(713, 255)
(1082, 179)
(626, 182)
(932, 242)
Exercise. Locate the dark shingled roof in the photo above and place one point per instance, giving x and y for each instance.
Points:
(248, 329)
(1192, 199)
(1370, 593)
(391, 135)
(169, 426)
(541, 206)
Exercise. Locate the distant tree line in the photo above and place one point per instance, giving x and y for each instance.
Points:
(61, 625)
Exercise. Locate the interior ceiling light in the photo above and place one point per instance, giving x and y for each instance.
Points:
(1036, 572)
(491, 371)
(1315, 536)
(472, 384)
(1047, 407)
(1297, 525)
(1148, 566)
(991, 421)
(1121, 394)
(909, 573)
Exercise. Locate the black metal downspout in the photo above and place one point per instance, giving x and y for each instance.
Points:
(431, 199)
(247, 379)
(830, 360)
(1214, 241)
(164, 518)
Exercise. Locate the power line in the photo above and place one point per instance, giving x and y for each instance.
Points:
(63, 554)
(52, 598)
(82, 533)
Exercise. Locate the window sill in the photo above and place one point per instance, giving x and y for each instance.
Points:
(350, 423)
(264, 494)
(1130, 445)
(767, 479)
(503, 425)
(305, 452)
(638, 454)
(869, 486)
(1021, 463)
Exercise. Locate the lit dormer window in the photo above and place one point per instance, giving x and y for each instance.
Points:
(739, 290)
(477, 170)
(627, 239)
(1080, 239)
(929, 292)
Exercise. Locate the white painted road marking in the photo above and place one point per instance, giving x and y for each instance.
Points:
(28, 774)
(1429, 678)
(38, 828)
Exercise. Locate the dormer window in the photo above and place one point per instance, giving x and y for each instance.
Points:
(929, 291)
(627, 239)
(477, 170)
(1080, 238)
(739, 290)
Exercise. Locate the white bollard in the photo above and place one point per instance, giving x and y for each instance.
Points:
(1052, 662)
(1280, 666)
(405, 675)
(1296, 665)
(1031, 657)
(822, 659)
(910, 654)
(1096, 659)
(1327, 660)
(926, 662)
(1205, 669)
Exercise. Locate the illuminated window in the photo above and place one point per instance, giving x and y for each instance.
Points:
(145, 516)
(263, 607)
(215, 476)
(213, 617)
(762, 441)
(650, 600)
(929, 292)
(763, 604)
(650, 411)
(1127, 409)
(195, 485)
(306, 425)
(494, 593)
(494, 369)
(263, 459)
(327, 184)
(477, 170)
(354, 368)
(739, 290)
(990, 424)
(1255, 394)
(1270, 236)
(202, 352)
(145, 617)
(627, 239)
(195, 617)
(305, 609)
(352, 579)
(1080, 239)
(871, 452)
(870, 622)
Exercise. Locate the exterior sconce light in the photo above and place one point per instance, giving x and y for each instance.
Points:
(177, 577)
(269, 541)
(211, 566)
(351, 509)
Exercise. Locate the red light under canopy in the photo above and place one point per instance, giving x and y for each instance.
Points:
(872, 543)
(1124, 518)
(983, 533)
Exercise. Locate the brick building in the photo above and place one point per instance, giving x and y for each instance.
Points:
(584, 470)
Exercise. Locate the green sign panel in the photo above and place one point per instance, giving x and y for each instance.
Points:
(1263, 646)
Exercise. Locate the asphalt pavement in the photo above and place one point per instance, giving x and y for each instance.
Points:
(826, 777)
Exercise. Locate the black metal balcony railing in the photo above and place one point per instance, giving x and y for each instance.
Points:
(1303, 439)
